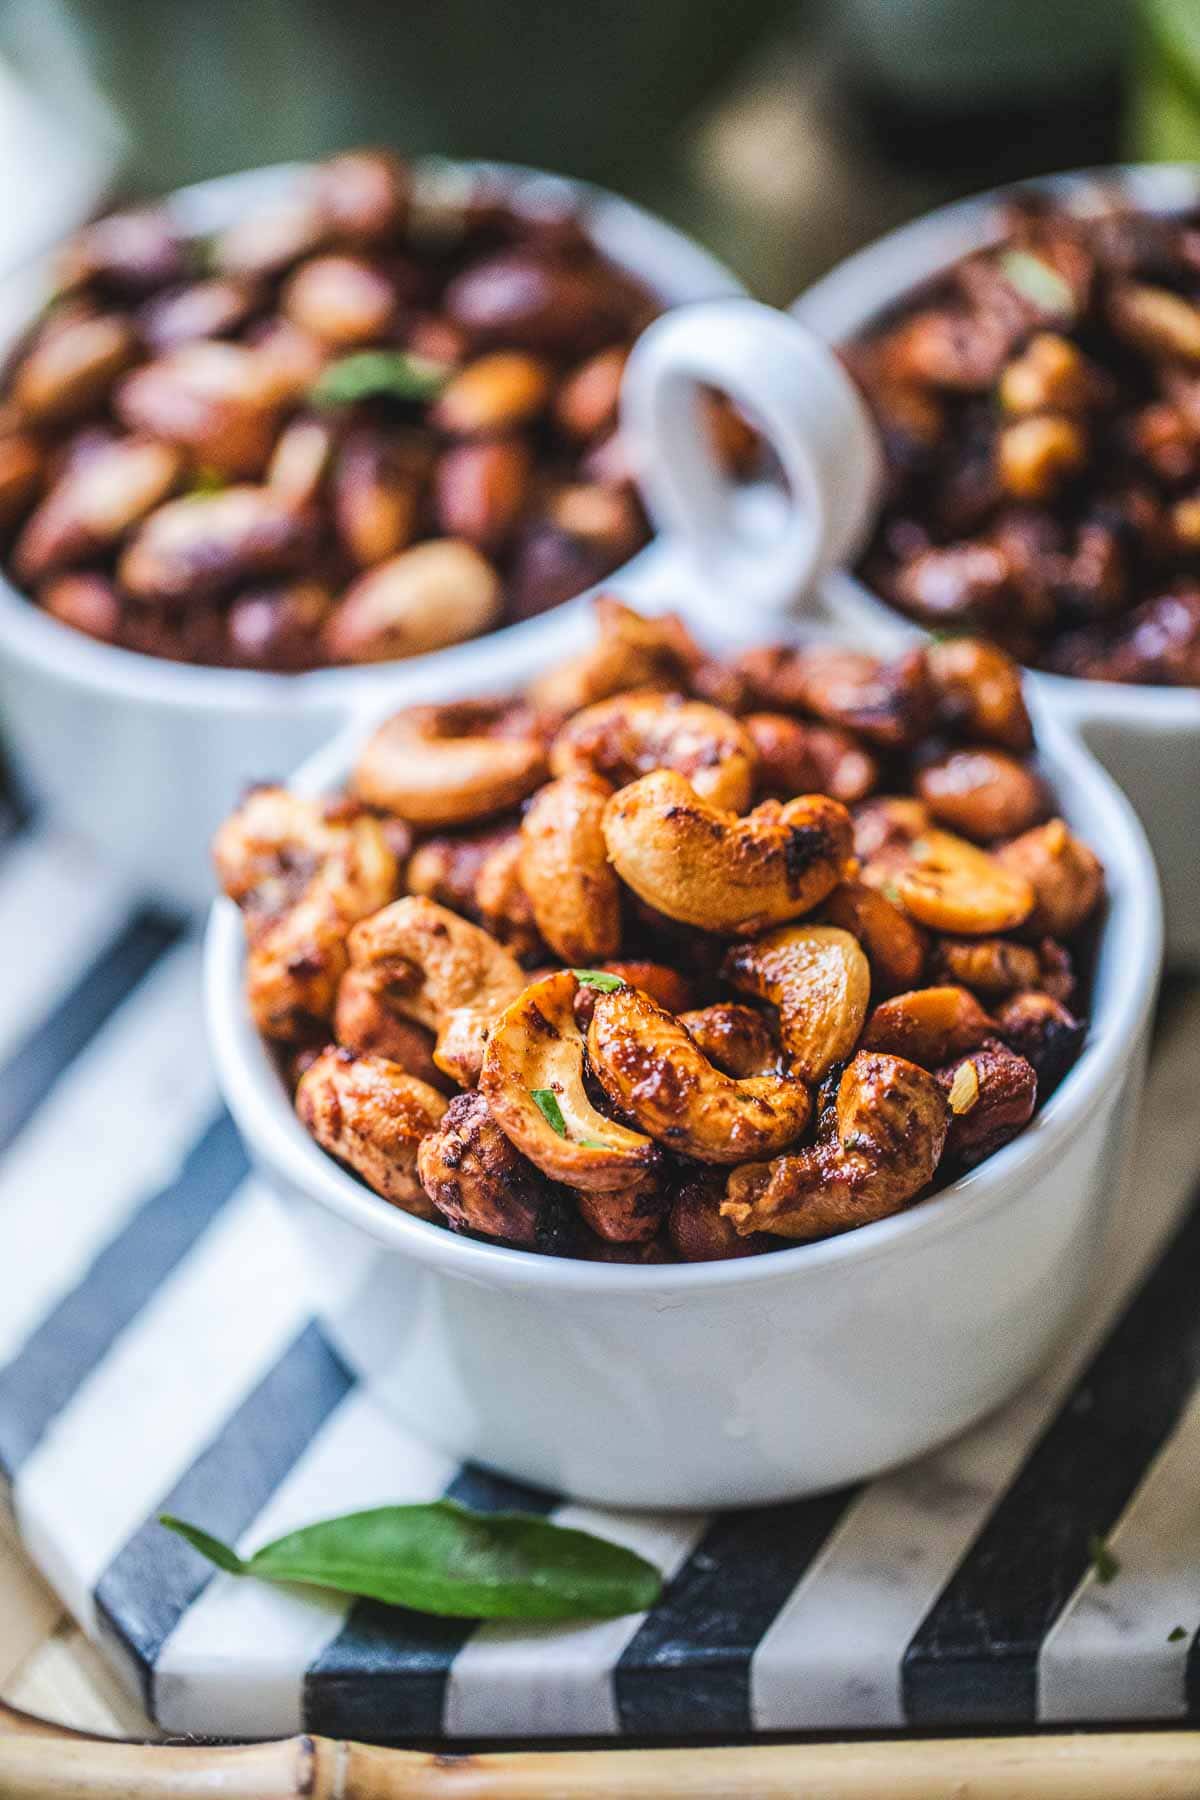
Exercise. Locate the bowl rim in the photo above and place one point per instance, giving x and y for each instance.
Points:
(30, 633)
(1131, 947)
(868, 282)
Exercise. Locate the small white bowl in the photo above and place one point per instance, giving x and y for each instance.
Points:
(727, 1384)
(1147, 737)
(146, 756)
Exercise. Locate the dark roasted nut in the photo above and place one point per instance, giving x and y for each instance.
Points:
(500, 392)
(585, 406)
(960, 584)
(991, 967)
(882, 702)
(533, 304)
(71, 367)
(218, 401)
(434, 594)
(985, 794)
(269, 239)
(477, 1179)
(94, 503)
(21, 470)
(291, 359)
(364, 1022)
(1155, 320)
(796, 757)
(736, 1039)
(979, 693)
(895, 946)
(991, 1094)
(363, 195)
(341, 300)
(1067, 879)
(192, 548)
(481, 489)
(279, 628)
(88, 602)
(1037, 456)
(928, 1026)
(371, 1114)
(127, 254)
(206, 309)
(1050, 375)
(697, 1229)
(377, 488)
(1045, 1033)
(299, 461)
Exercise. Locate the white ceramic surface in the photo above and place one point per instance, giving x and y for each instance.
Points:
(146, 756)
(723, 1384)
(1147, 737)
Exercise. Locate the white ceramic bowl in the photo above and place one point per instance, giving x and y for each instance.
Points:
(1147, 737)
(724, 1384)
(147, 756)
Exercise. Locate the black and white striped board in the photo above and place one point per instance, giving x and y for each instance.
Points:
(157, 1352)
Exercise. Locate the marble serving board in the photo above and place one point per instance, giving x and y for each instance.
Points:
(157, 1352)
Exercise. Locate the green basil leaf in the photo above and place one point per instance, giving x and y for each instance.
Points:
(546, 1101)
(591, 1144)
(397, 373)
(1106, 1564)
(598, 978)
(1038, 281)
(1176, 1634)
(447, 1560)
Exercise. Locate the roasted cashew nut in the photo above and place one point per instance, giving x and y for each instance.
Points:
(820, 982)
(532, 1078)
(992, 1094)
(479, 1181)
(372, 1115)
(1067, 879)
(895, 946)
(698, 1230)
(565, 871)
(954, 886)
(629, 652)
(301, 880)
(437, 765)
(1045, 1033)
(630, 1215)
(653, 1071)
(707, 867)
(928, 1026)
(634, 734)
(363, 1021)
(736, 1039)
(441, 971)
(880, 1147)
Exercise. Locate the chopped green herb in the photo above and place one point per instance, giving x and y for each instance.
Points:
(591, 1144)
(447, 1560)
(891, 892)
(546, 1101)
(1038, 281)
(206, 481)
(1106, 1564)
(1177, 1635)
(368, 373)
(598, 978)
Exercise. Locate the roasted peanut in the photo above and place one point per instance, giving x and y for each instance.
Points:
(504, 906)
(883, 702)
(434, 594)
(70, 369)
(125, 254)
(634, 734)
(704, 866)
(534, 305)
(207, 309)
(191, 548)
(94, 503)
(667, 987)
(736, 1040)
(952, 886)
(443, 765)
(341, 300)
(437, 969)
(363, 195)
(497, 393)
(895, 946)
(532, 1079)
(220, 402)
(1041, 1029)
(984, 794)
(372, 1115)
(653, 1072)
(267, 240)
(631, 1215)
(479, 1181)
(979, 690)
(299, 461)
(1050, 375)
(301, 880)
(876, 1151)
(991, 1094)
(481, 489)
(447, 866)
(795, 757)
(565, 869)
(1066, 878)
(928, 1026)
(818, 979)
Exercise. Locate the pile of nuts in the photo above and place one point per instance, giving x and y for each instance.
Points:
(370, 419)
(1040, 410)
(672, 958)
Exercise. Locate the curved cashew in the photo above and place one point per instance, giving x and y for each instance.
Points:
(440, 765)
(954, 886)
(878, 1148)
(363, 1021)
(371, 1114)
(565, 871)
(301, 880)
(978, 688)
(532, 1077)
(992, 1094)
(651, 1069)
(992, 967)
(819, 979)
(479, 1181)
(634, 734)
(629, 652)
(928, 1026)
(1066, 878)
(630, 1215)
(895, 947)
(441, 971)
(736, 1039)
(797, 757)
(703, 866)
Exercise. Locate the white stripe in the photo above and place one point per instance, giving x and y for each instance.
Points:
(517, 1680)
(832, 1657)
(122, 1118)
(235, 1663)
(57, 908)
(1109, 1655)
(208, 1336)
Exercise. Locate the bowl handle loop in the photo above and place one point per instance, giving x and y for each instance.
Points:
(797, 394)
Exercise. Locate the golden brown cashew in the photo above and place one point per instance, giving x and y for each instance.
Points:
(895, 946)
(978, 689)
(363, 1021)
(532, 1077)
(954, 886)
(441, 971)
(479, 1182)
(928, 1026)
(704, 866)
(301, 880)
(820, 981)
(1066, 878)
(371, 1114)
(634, 734)
(651, 1070)
(736, 1039)
(992, 967)
(879, 1148)
(565, 870)
(629, 652)
(439, 765)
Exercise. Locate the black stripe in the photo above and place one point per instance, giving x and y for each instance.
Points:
(687, 1669)
(1193, 1678)
(71, 1340)
(152, 1581)
(383, 1678)
(974, 1658)
(37, 1063)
